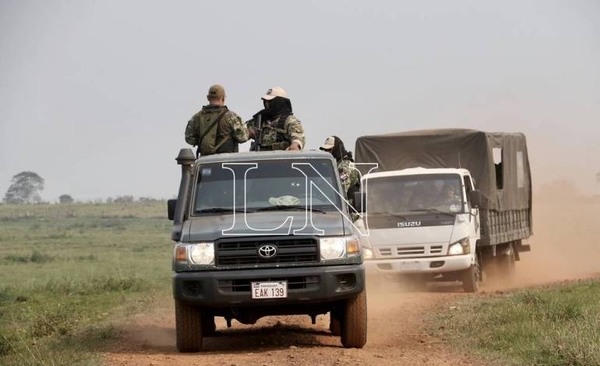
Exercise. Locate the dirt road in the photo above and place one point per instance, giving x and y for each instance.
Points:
(565, 246)
(396, 336)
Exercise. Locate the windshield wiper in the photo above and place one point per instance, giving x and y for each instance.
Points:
(290, 208)
(435, 210)
(220, 210)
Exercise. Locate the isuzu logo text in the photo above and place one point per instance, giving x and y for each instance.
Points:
(409, 224)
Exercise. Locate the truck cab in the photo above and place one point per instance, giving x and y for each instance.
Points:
(422, 222)
(264, 233)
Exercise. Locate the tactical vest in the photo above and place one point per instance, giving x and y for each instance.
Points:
(275, 135)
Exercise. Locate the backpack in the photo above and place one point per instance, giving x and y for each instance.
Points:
(208, 129)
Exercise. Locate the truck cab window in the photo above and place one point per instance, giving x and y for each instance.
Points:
(414, 193)
(269, 183)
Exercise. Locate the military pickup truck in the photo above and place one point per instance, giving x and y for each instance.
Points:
(264, 233)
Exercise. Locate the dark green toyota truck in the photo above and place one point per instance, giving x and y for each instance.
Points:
(264, 233)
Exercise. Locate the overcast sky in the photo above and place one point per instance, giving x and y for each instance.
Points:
(95, 95)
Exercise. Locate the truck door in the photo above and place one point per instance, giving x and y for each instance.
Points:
(474, 212)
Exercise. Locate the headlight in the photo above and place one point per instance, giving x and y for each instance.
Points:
(340, 247)
(200, 253)
(460, 247)
(367, 253)
(333, 248)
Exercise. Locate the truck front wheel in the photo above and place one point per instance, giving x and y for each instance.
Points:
(353, 325)
(471, 277)
(188, 326)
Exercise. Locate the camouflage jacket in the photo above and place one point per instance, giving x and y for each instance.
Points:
(230, 126)
(279, 136)
(348, 175)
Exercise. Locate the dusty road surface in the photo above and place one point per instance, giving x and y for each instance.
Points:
(396, 336)
(565, 245)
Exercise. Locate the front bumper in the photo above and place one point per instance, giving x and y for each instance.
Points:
(306, 285)
(429, 265)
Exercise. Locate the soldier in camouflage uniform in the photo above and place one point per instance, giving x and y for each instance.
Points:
(231, 131)
(348, 175)
(280, 129)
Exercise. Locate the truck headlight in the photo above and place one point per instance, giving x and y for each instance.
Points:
(202, 253)
(333, 248)
(462, 246)
(367, 253)
(339, 247)
(199, 253)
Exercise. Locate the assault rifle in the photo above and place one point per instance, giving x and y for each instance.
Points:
(257, 124)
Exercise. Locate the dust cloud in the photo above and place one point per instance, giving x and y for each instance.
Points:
(566, 236)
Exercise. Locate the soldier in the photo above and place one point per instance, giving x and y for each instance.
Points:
(348, 175)
(448, 195)
(216, 129)
(280, 129)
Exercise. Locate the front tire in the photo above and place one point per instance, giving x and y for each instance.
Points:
(471, 277)
(188, 326)
(353, 325)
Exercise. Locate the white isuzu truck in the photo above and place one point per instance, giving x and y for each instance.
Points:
(446, 204)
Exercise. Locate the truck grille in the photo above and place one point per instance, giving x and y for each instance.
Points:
(412, 251)
(246, 252)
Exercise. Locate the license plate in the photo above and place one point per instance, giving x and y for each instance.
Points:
(269, 290)
(410, 266)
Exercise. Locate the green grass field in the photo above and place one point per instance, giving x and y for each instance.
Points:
(67, 271)
(552, 325)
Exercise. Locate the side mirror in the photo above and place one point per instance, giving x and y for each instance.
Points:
(171, 209)
(358, 200)
(475, 198)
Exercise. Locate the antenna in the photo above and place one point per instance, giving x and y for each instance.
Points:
(459, 164)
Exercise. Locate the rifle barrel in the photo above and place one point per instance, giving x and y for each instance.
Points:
(258, 131)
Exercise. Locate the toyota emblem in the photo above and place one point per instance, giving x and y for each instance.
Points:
(267, 251)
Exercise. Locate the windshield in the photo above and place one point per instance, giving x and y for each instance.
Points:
(251, 186)
(398, 195)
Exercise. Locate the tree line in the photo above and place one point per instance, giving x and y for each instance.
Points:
(26, 188)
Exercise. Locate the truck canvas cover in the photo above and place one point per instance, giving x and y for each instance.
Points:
(504, 185)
